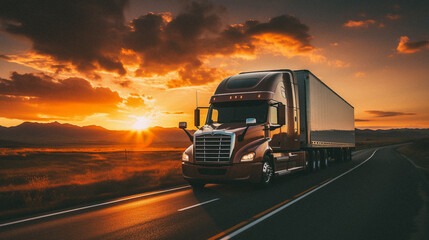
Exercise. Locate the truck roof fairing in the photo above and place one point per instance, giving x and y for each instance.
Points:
(259, 85)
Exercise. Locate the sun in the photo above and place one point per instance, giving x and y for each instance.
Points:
(141, 123)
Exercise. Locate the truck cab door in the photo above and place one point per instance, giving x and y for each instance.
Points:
(278, 135)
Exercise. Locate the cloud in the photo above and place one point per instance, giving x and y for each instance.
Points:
(86, 34)
(48, 89)
(359, 24)
(387, 114)
(4, 57)
(360, 74)
(405, 46)
(136, 101)
(40, 97)
(362, 120)
(92, 36)
(391, 16)
(174, 113)
(124, 83)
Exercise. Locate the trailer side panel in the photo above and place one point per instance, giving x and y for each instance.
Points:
(329, 119)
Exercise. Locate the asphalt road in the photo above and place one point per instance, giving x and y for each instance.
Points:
(378, 195)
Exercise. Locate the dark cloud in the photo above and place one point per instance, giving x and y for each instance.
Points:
(4, 57)
(181, 44)
(391, 16)
(40, 97)
(92, 35)
(48, 89)
(387, 114)
(86, 33)
(405, 46)
(362, 120)
(125, 83)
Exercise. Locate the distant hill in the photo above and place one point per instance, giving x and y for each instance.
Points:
(401, 133)
(54, 133)
(36, 134)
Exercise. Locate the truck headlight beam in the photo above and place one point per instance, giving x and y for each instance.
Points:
(248, 157)
(185, 157)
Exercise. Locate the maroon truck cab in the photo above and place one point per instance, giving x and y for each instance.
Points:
(254, 131)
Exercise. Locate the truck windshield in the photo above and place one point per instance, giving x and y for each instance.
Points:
(237, 112)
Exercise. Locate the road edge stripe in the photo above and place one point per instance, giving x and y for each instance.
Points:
(94, 205)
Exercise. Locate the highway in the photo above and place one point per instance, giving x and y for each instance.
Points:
(378, 195)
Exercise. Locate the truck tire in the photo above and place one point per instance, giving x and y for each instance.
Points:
(307, 162)
(267, 172)
(340, 155)
(349, 155)
(313, 161)
(344, 153)
(324, 158)
(318, 160)
(197, 185)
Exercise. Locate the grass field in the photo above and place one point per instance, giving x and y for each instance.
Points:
(37, 180)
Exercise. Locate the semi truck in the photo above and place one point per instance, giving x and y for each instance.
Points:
(265, 124)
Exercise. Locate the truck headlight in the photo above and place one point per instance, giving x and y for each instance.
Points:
(248, 157)
(185, 157)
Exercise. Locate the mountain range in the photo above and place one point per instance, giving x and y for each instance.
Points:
(54, 133)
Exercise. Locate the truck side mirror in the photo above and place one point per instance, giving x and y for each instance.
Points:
(183, 125)
(281, 114)
(197, 117)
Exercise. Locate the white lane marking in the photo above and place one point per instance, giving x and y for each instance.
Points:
(199, 204)
(93, 206)
(411, 161)
(251, 224)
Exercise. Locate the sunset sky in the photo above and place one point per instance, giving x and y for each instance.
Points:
(135, 64)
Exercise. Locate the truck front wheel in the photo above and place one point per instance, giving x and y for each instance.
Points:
(267, 172)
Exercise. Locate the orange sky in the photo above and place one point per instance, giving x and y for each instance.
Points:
(126, 65)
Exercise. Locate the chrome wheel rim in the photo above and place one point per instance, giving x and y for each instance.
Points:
(267, 172)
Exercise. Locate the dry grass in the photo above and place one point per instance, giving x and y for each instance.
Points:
(418, 152)
(32, 181)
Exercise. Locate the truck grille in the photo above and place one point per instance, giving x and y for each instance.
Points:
(212, 148)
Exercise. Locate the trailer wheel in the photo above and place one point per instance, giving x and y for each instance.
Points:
(340, 155)
(349, 155)
(318, 160)
(307, 162)
(344, 153)
(267, 172)
(313, 161)
(325, 159)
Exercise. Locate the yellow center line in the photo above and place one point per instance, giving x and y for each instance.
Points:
(270, 209)
(299, 194)
(229, 230)
(261, 214)
(327, 180)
